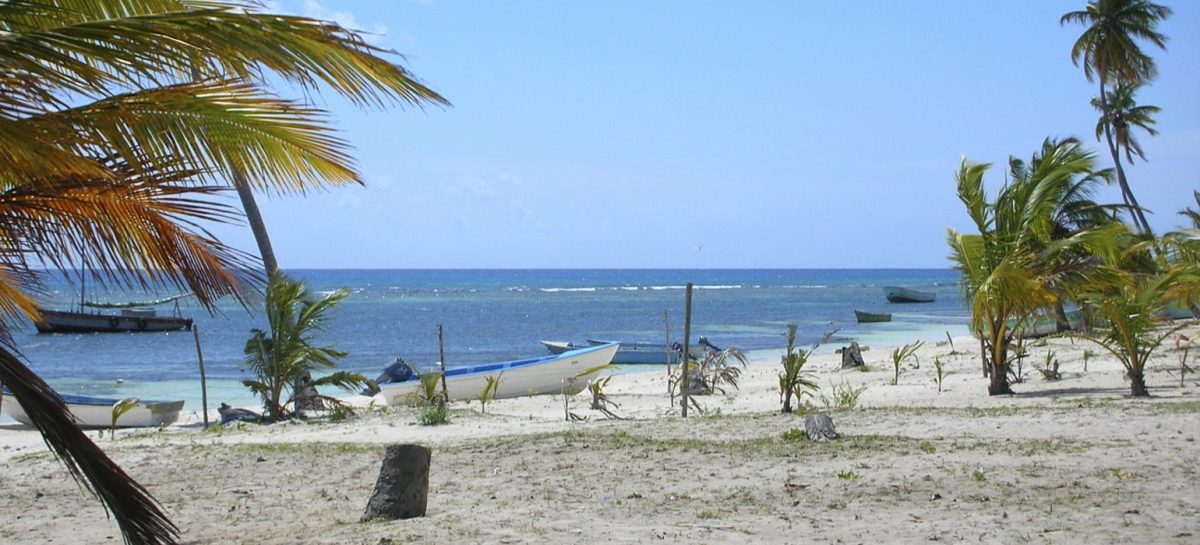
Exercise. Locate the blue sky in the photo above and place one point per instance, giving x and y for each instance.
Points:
(709, 134)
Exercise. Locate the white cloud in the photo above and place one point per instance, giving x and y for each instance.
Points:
(317, 10)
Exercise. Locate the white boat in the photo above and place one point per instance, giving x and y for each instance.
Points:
(96, 412)
(897, 294)
(565, 373)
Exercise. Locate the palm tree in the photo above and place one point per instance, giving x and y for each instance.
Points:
(1012, 268)
(282, 357)
(1110, 53)
(1129, 305)
(1120, 113)
(118, 119)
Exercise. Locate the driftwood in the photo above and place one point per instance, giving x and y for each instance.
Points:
(819, 427)
(852, 357)
(402, 490)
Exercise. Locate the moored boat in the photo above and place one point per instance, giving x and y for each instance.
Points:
(127, 320)
(897, 294)
(97, 412)
(643, 353)
(865, 317)
(565, 373)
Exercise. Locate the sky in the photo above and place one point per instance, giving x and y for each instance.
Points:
(695, 134)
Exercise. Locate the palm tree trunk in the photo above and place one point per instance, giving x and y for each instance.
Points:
(1137, 381)
(1135, 210)
(257, 226)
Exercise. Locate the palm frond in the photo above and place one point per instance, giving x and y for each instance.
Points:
(139, 516)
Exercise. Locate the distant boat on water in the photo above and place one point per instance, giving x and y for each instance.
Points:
(897, 294)
(138, 319)
(557, 373)
(132, 317)
(96, 412)
(865, 317)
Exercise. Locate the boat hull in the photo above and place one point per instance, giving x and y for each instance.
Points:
(647, 353)
(553, 374)
(896, 294)
(96, 412)
(872, 317)
(57, 321)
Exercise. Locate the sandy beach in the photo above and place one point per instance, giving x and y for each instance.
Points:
(1062, 461)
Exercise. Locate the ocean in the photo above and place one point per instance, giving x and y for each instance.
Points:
(496, 315)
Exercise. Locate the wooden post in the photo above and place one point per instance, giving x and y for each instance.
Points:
(687, 332)
(203, 379)
(442, 363)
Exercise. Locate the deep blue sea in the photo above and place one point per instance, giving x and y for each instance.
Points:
(494, 315)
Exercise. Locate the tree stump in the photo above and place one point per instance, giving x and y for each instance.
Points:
(852, 357)
(819, 427)
(402, 490)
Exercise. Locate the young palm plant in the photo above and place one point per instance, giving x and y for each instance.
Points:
(281, 357)
(794, 383)
(1128, 305)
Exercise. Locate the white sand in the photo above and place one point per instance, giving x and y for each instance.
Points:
(1068, 461)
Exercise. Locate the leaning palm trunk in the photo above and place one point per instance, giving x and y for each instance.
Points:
(257, 225)
(139, 516)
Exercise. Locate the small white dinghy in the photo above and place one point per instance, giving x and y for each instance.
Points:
(96, 412)
(564, 373)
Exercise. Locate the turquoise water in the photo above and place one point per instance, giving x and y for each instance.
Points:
(495, 315)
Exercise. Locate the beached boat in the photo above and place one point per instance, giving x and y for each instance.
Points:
(557, 373)
(1041, 325)
(865, 317)
(96, 412)
(897, 294)
(630, 353)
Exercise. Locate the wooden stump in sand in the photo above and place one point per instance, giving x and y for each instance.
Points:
(819, 427)
(852, 357)
(402, 490)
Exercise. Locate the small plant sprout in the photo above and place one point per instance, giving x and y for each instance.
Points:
(939, 372)
(843, 396)
(1183, 368)
(429, 394)
(978, 476)
(489, 392)
(1050, 368)
(849, 475)
(950, 340)
(927, 447)
(118, 410)
(1087, 354)
(902, 353)
(601, 402)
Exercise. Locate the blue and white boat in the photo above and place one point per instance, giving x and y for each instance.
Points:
(96, 412)
(632, 353)
(565, 373)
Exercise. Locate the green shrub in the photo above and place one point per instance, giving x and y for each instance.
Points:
(432, 415)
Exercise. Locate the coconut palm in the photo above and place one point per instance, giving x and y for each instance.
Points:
(1120, 114)
(1110, 54)
(285, 356)
(118, 118)
(1013, 267)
